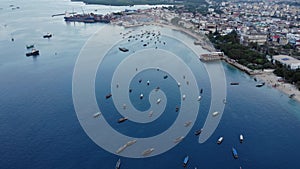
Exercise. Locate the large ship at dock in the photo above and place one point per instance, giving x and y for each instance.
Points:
(88, 18)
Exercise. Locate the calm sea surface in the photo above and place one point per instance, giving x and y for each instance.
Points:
(38, 124)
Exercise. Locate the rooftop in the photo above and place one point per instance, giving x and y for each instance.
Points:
(285, 59)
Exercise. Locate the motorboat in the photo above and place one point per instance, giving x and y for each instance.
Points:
(198, 132)
(121, 120)
(97, 114)
(216, 113)
(185, 161)
(241, 138)
(234, 153)
(158, 101)
(220, 140)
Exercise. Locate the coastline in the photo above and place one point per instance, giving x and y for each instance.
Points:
(268, 77)
(272, 80)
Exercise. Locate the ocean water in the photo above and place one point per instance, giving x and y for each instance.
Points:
(39, 127)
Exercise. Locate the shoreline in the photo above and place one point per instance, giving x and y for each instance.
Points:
(268, 77)
(272, 80)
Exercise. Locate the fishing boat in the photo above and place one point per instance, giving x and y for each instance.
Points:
(129, 143)
(214, 114)
(241, 138)
(185, 161)
(108, 96)
(198, 132)
(150, 113)
(188, 123)
(141, 96)
(234, 153)
(148, 152)
(158, 101)
(178, 139)
(260, 85)
(183, 97)
(220, 140)
(234, 83)
(29, 46)
(157, 88)
(97, 114)
(199, 98)
(121, 120)
(166, 76)
(118, 164)
(48, 35)
(176, 109)
(123, 49)
(33, 52)
(148, 82)
(122, 148)
(292, 95)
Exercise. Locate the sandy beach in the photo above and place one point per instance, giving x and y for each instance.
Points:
(272, 80)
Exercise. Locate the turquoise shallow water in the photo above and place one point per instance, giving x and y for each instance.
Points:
(39, 127)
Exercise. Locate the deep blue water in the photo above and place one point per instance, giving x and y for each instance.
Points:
(39, 127)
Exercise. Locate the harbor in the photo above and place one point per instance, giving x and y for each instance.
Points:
(38, 117)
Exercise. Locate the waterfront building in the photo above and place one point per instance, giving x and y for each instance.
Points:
(288, 61)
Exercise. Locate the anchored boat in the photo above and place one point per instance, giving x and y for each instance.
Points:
(124, 49)
(108, 96)
(121, 120)
(241, 138)
(198, 132)
(220, 140)
(29, 46)
(148, 152)
(215, 113)
(97, 114)
(234, 153)
(185, 161)
(260, 85)
(48, 35)
(34, 52)
(234, 83)
(118, 164)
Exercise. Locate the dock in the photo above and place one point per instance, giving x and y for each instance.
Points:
(212, 56)
(242, 67)
(61, 14)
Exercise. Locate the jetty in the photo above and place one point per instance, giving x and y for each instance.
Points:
(241, 67)
(212, 56)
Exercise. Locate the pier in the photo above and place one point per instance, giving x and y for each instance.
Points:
(212, 56)
(241, 67)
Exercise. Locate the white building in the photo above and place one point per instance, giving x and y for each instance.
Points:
(288, 61)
